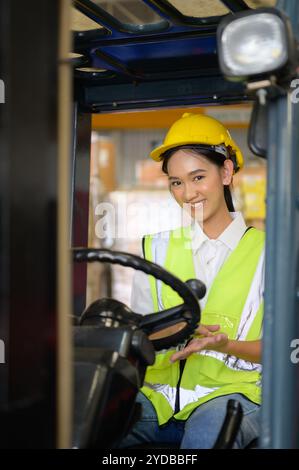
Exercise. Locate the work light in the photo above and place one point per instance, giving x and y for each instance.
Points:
(256, 43)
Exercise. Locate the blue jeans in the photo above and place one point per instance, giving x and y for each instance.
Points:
(201, 429)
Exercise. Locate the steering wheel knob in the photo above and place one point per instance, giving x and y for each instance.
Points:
(197, 287)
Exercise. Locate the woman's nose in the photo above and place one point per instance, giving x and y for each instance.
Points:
(190, 193)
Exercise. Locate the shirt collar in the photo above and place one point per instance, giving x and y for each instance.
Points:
(234, 231)
(229, 237)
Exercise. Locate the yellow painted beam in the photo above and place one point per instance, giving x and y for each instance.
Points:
(163, 118)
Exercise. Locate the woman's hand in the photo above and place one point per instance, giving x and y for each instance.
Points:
(206, 330)
(208, 340)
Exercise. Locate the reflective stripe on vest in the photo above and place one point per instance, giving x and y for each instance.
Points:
(235, 301)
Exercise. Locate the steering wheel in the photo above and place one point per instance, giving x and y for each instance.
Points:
(166, 328)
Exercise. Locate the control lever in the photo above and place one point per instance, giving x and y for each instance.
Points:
(231, 425)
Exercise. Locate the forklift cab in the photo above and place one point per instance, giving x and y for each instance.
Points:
(178, 60)
(130, 56)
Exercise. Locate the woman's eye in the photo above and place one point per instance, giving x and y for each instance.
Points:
(175, 183)
(198, 178)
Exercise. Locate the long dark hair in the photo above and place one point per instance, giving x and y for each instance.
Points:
(211, 155)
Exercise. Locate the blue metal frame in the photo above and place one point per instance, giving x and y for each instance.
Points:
(280, 410)
(139, 62)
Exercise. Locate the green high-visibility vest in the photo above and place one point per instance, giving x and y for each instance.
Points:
(234, 302)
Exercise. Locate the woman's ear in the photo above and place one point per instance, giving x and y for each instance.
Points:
(227, 172)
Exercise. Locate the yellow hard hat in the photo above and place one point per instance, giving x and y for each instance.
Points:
(198, 129)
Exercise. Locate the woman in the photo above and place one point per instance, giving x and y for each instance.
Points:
(186, 391)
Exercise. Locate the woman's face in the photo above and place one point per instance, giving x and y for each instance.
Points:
(197, 184)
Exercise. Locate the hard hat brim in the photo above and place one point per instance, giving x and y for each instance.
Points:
(157, 152)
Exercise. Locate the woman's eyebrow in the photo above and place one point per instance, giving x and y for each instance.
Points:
(199, 170)
(196, 171)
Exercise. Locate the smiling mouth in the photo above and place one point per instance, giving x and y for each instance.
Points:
(196, 204)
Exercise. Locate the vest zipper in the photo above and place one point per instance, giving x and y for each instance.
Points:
(177, 407)
(177, 396)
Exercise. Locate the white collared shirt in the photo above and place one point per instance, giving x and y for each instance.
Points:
(208, 255)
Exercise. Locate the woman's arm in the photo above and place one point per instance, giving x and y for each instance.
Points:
(247, 350)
